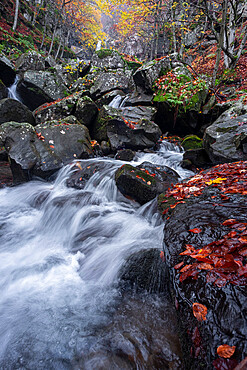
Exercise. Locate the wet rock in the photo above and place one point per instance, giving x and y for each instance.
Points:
(7, 71)
(197, 158)
(138, 272)
(83, 171)
(43, 151)
(13, 110)
(105, 147)
(134, 341)
(213, 277)
(226, 139)
(50, 83)
(144, 182)
(82, 107)
(125, 155)
(31, 61)
(127, 128)
(3, 91)
(6, 178)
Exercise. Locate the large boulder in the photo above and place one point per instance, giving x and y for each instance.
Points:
(107, 59)
(82, 107)
(226, 139)
(50, 83)
(137, 272)
(147, 74)
(7, 71)
(205, 249)
(130, 128)
(106, 81)
(32, 95)
(31, 61)
(84, 170)
(13, 110)
(144, 182)
(43, 150)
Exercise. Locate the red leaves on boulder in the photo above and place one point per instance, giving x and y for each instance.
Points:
(195, 231)
(200, 311)
(226, 351)
(162, 256)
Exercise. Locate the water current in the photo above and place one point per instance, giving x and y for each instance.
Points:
(60, 256)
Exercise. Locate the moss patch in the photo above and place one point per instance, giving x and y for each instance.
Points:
(192, 142)
(103, 53)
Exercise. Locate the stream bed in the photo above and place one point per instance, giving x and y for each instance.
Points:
(62, 249)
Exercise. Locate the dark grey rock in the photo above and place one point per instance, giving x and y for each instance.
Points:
(144, 182)
(226, 139)
(31, 61)
(127, 128)
(43, 150)
(13, 110)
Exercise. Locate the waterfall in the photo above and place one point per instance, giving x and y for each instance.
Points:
(61, 252)
(98, 46)
(116, 102)
(12, 90)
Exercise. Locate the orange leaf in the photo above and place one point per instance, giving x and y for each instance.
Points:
(199, 311)
(226, 351)
(162, 256)
(195, 231)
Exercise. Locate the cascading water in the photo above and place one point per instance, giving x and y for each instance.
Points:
(12, 90)
(61, 252)
(116, 102)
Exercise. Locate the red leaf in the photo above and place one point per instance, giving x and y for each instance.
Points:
(195, 231)
(226, 351)
(199, 311)
(179, 265)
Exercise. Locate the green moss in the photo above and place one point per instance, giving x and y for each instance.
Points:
(226, 129)
(133, 65)
(103, 53)
(192, 142)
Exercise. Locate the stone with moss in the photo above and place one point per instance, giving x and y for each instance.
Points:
(144, 182)
(192, 142)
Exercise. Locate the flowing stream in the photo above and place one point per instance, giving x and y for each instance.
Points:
(12, 90)
(61, 253)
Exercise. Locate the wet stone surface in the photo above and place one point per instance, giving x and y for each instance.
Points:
(209, 229)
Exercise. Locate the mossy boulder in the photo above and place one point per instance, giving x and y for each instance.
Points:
(192, 142)
(107, 59)
(78, 105)
(144, 182)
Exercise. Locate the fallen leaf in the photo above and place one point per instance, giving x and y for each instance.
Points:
(162, 256)
(195, 231)
(226, 351)
(149, 183)
(199, 311)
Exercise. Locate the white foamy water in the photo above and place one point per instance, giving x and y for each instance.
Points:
(61, 251)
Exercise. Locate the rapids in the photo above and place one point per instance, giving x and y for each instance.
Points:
(60, 255)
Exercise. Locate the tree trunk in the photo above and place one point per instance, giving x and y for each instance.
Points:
(16, 14)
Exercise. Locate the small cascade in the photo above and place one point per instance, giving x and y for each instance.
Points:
(116, 102)
(123, 101)
(12, 90)
(98, 46)
(61, 253)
